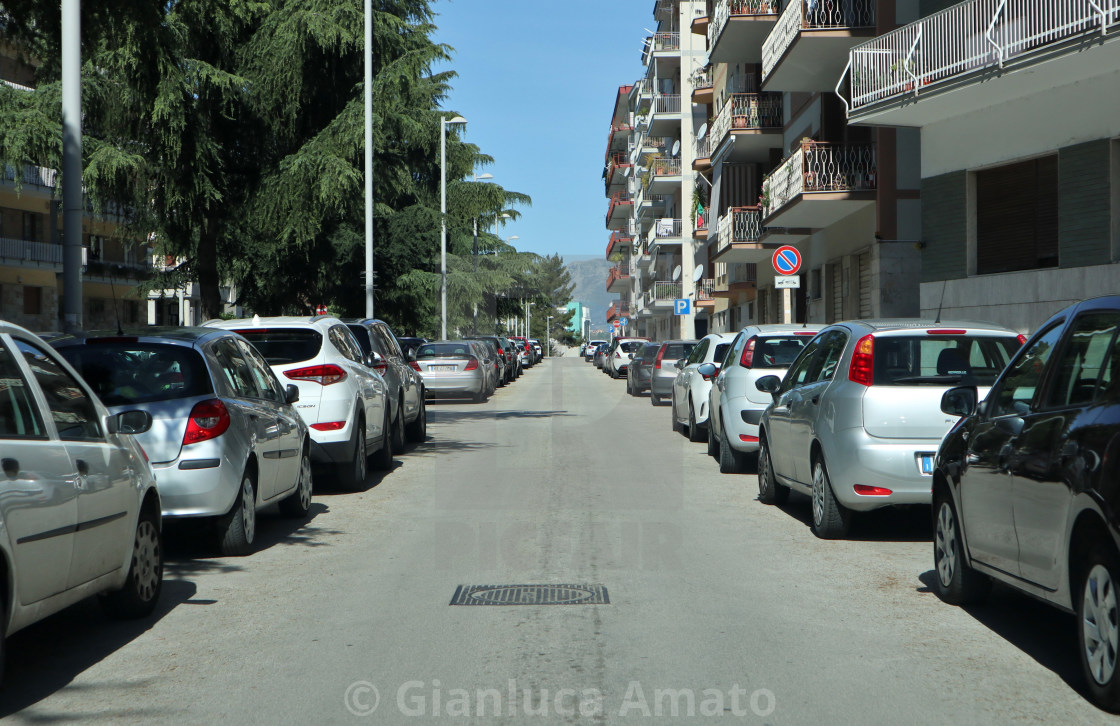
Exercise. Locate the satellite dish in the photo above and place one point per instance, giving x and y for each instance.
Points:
(698, 273)
(676, 273)
(702, 132)
(676, 147)
(625, 172)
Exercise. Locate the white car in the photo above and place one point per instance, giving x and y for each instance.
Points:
(616, 361)
(735, 405)
(341, 397)
(690, 387)
(78, 502)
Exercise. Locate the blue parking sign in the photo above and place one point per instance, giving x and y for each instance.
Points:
(681, 307)
(624, 321)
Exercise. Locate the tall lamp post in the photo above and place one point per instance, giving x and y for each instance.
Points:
(529, 320)
(474, 256)
(548, 336)
(444, 122)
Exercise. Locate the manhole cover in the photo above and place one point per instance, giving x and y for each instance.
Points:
(530, 595)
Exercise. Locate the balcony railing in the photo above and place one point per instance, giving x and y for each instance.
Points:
(618, 199)
(618, 238)
(704, 289)
(702, 147)
(747, 111)
(663, 291)
(657, 142)
(617, 310)
(30, 251)
(39, 176)
(739, 225)
(701, 78)
(813, 15)
(966, 37)
(667, 103)
(660, 166)
(726, 9)
(664, 229)
(659, 42)
(618, 272)
(819, 167)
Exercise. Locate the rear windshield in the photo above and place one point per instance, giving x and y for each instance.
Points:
(721, 352)
(362, 336)
(941, 359)
(631, 346)
(443, 350)
(132, 373)
(280, 346)
(778, 352)
(673, 351)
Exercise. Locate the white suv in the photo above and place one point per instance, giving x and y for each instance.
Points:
(341, 397)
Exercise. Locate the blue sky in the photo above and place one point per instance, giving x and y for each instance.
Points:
(536, 83)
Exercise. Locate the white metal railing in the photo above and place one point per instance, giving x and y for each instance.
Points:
(658, 42)
(701, 78)
(725, 9)
(39, 176)
(747, 111)
(664, 229)
(17, 86)
(965, 37)
(801, 15)
(819, 167)
(30, 251)
(704, 288)
(662, 291)
(667, 103)
(739, 224)
(702, 147)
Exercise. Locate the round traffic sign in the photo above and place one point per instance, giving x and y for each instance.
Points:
(787, 260)
(617, 324)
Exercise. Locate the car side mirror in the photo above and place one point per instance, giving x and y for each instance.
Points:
(769, 384)
(707, 370)
(959, 401)
(412, 354)
(679, 364)
(291, 393)
(129, 422)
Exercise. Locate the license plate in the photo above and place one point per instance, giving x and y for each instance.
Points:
(442, 369)
(925, 463)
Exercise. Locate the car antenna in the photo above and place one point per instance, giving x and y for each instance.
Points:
(116, 308)
(943, 286)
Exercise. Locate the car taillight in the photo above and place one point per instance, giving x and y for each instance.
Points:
(472, 364)
(208, 420)
(863, 361)
(617, 354)
(1021, 338)
(945, 331)
(866, 491)
(415, 366)
(747, 359)
(381, 367)
(660, 355)
(324, 375)
(329, 426)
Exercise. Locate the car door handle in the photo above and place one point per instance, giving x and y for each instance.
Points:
(11, 467)
(815, 399)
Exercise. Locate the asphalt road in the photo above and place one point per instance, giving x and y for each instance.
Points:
(719, 606)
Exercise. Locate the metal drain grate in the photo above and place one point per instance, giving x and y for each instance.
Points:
(530, 595)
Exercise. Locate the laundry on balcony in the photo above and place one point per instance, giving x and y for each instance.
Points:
(665, 227)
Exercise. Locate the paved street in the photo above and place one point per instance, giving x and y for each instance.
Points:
(561, 479)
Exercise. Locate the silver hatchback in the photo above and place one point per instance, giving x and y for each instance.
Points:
(453, 367)
(856, 421)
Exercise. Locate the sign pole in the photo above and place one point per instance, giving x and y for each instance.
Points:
(787, 306)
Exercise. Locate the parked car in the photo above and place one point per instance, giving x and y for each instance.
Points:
(641, 366)
(866, 438)
(512, 358)
(538, 350)
(504, 351)
(598, 355)
(497, 358)
(410, 344)
(591, 347)
(406, 385)
(226, 439)
(690, 386)
(78, 501)
(343, 400)
(453, 367)
(1025, 484)
(735, 405)
(664, 372)
(617, 358)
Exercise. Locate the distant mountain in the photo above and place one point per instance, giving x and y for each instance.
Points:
(590, 277)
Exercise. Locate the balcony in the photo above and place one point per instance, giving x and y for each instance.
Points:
(34, 176)
(739, 278)
(701, 155)
(664, 232)
(619, 240)
(20, 250)
(819, 185)
(662, 175)
(656, 144)
(650, 203)
(617, 138)
(942, 66)
(618, 168)
(619, 210)
(702, 85)
(618, 279)
(810, 43)
(660, 115)
(705, 293)
(618, 309)
(738, 28)
(753, 123)
(661, 45)
(662, 294)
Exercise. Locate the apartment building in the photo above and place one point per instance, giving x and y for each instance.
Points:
(31, 242)
(1018, 106)
(774, 162)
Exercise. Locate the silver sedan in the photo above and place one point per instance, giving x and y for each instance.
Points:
(452, 367)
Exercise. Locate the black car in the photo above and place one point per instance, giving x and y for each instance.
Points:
(1026, 486)
(406, 386)
(641, 368)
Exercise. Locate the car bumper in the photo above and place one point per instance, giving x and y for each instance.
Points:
(453, 383)
(198, 487)
(661, 385)
(741, 417)
(894, 464)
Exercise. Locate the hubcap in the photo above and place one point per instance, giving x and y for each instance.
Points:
(146, 560)
(1099, 621)
(248, 511)
(763, 468)
(945, 545)
(818, 495)
(305, 482)
(360, 457)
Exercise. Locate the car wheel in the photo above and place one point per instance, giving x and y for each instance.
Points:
(398, 429)
(713, 444)
(141, 589)
(629, 387)
(957, 583)
(769, 490)
(297, 504)
(654, 399)
(238, 528)
(1099, 636)
(730, 460)
(353, 474)
(673, 414)
(830, 518)
(417, 431)
(383, 459)
(694, 433)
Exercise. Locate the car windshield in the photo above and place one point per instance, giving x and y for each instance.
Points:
(673, 351)
(631, 346)
(280, 346)
(130, 373)
(911, 360)
(778, 351)
(443, 350)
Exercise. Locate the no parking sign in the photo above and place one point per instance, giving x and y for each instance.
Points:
(787, 260)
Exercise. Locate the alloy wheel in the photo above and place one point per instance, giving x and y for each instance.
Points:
(146, 559)
(305, 481)
(1099, 623)
(248, 511)
(818, 495)
(945, 544)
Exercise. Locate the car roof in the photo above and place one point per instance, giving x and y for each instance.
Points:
(892, 324)
(278, 321)
(769, 328)
(152, 334)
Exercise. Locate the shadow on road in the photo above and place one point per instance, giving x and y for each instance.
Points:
(1042, 632)
(191, 547)
(48, 656)
(890, 524)
(456, 416)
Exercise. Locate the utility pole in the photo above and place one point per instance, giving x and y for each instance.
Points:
(72, 206)
(369, 154)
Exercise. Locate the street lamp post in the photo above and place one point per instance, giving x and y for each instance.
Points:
(443, 124)
(529, 320)
(474, 256)
(548, 336)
